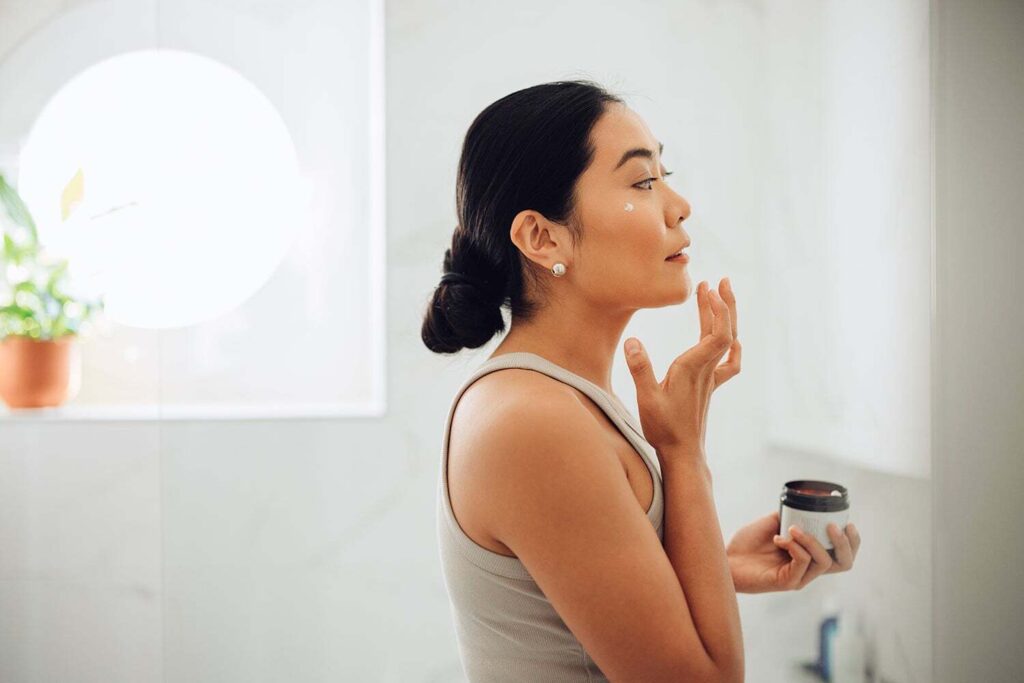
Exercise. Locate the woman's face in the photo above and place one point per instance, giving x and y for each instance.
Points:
(620, 261)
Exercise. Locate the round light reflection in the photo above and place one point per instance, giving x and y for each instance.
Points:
(170, 183)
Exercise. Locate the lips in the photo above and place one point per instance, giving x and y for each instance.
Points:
(677, 253)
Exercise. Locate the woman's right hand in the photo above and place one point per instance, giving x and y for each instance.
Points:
(673, 412)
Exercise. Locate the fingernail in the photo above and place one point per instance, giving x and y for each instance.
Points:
(632, 346)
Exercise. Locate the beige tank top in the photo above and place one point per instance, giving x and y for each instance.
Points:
(505, 627)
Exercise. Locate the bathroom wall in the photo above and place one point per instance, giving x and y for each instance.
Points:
(978, 95)
(304, 550)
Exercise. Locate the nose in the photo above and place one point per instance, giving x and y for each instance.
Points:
(686, 209)
(677, 210)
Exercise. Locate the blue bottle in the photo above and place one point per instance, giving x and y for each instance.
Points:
(826, 647)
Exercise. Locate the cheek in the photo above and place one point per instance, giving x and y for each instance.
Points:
(624, 242)
(624, 254)
(635, 219)
(643, 236)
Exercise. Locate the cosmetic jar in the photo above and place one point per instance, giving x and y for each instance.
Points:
(813, 505)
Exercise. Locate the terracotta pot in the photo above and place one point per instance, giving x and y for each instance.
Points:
(35, 373)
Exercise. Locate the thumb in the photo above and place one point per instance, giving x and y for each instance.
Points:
(640, 366)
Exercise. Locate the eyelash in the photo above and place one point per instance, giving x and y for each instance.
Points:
(647, 180)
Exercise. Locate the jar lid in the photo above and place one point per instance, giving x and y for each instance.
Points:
(814, 495)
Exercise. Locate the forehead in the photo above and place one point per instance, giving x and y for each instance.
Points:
(617, 130)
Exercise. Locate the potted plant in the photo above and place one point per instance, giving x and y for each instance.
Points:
(39, 320)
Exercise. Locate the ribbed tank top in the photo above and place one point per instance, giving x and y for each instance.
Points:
(506, 628)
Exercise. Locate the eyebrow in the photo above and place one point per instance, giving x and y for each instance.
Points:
(638, 152)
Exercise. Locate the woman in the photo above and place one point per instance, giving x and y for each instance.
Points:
(577, 543)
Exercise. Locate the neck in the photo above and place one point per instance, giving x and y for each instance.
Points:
(579, 337)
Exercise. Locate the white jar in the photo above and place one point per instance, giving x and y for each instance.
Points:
(813, 505)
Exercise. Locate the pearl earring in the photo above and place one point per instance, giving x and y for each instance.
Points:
(629, 207)
(558, 269)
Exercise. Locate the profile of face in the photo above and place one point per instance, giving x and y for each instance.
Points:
(631, 221)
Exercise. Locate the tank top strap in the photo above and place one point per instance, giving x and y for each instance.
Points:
(609, 403)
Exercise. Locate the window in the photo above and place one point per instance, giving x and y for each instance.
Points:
(226, 197)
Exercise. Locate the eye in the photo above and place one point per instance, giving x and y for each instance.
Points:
(651, 180)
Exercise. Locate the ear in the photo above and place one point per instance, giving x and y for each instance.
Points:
(542, 241)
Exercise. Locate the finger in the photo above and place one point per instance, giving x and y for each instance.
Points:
(706, 316)
(822, 560)
(801, 560)
(721, 329)
(854, 535)
(799, 563)
(729, 296)
(813, 546)
(731, 367)
(640, 367)
(713, 344)
(844, 553)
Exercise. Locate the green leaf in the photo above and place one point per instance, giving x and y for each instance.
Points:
(16, 311)
(10, 249)
(16, 208)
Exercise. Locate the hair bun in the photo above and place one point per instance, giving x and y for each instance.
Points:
(461, 317)
(454, 277)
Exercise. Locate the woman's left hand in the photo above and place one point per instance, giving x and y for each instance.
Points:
(760, 560)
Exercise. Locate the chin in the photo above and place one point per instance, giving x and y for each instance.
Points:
(685, 296)
(685, 291)
(679, 296)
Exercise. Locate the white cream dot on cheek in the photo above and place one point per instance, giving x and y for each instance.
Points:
(628, 207)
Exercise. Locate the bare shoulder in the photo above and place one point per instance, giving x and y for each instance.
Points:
(513, 383)
(500, 404)
(497, 422)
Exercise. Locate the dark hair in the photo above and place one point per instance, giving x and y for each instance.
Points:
(524, 151)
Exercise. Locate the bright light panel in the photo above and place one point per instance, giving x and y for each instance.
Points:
(189, 196)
